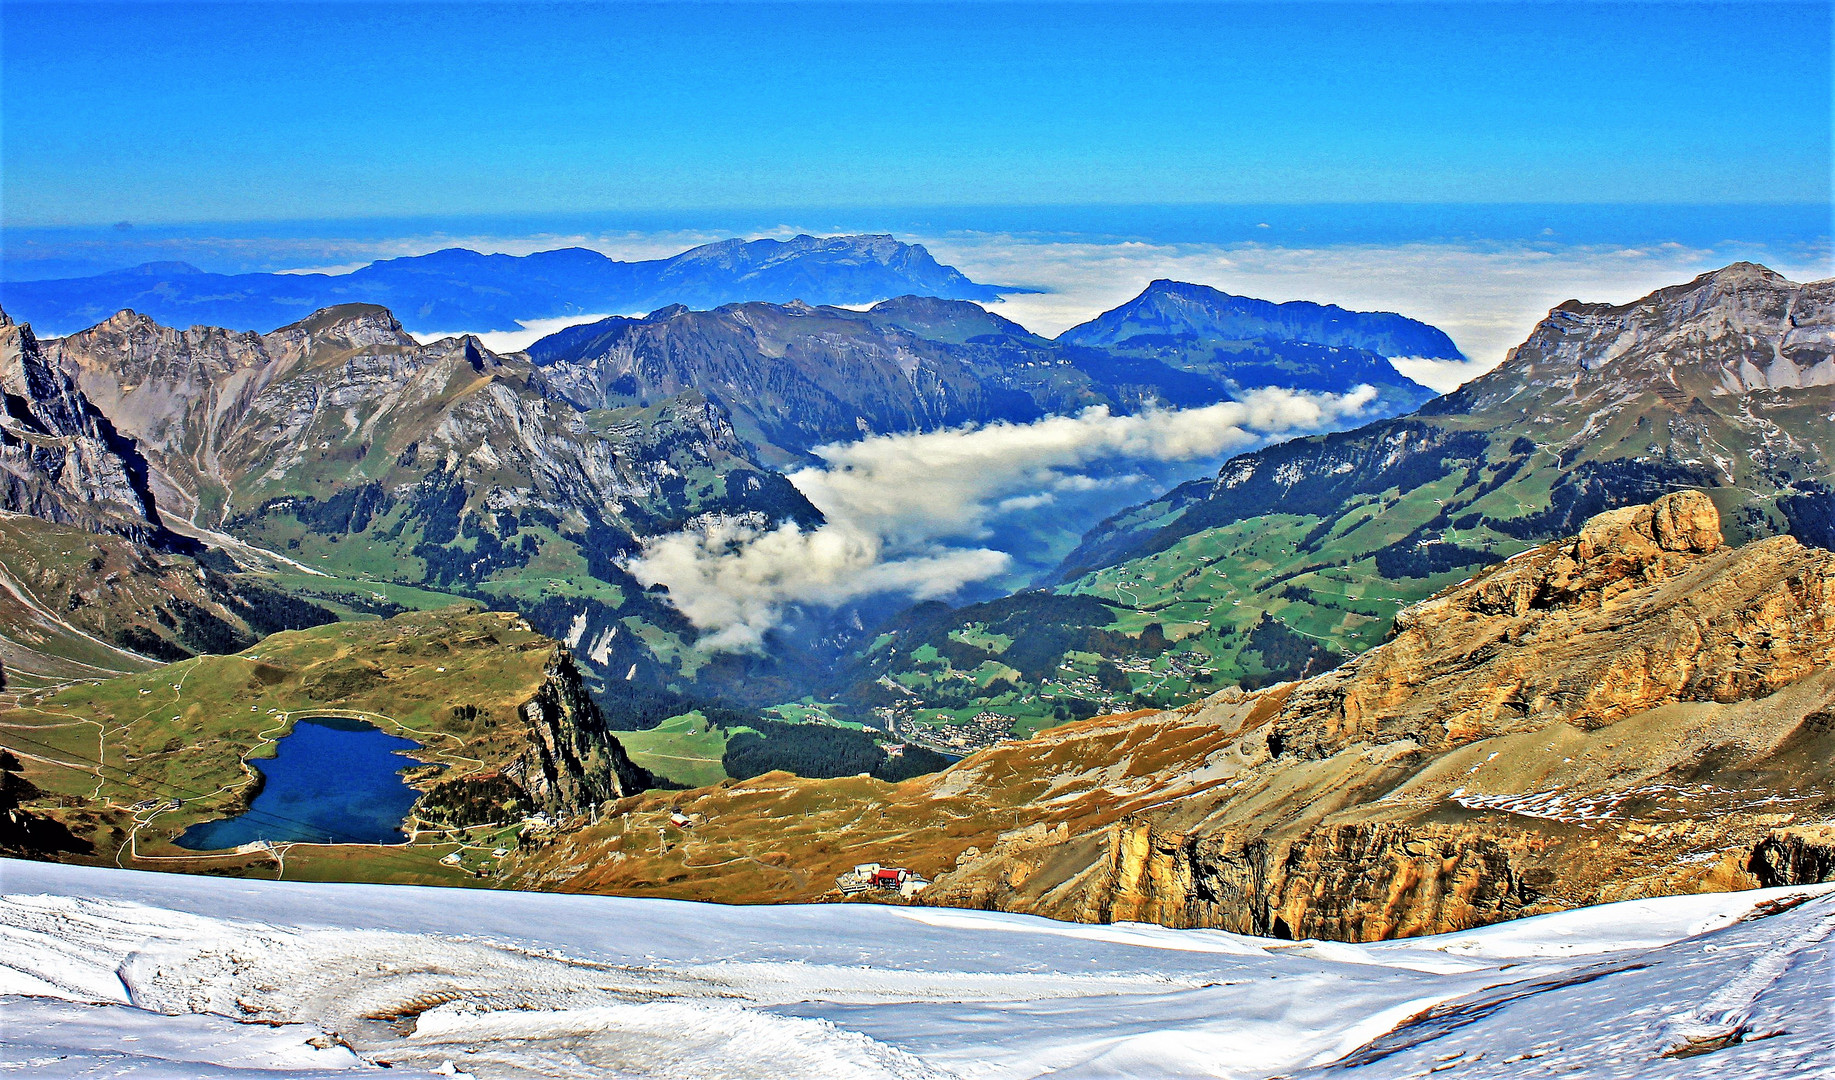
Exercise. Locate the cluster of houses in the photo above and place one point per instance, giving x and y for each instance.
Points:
(985, 730)
(872, 877)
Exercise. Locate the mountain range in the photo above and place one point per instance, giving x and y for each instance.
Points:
(365, 472)
(1262, 701)
(795, 376)
(1297, 556)
(457, 289)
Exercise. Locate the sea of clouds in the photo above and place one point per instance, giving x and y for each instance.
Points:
(1486, 296)
(903, 510)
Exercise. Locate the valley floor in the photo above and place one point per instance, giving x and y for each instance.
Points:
(107, 973)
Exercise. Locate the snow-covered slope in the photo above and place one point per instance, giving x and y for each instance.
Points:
(110, 973)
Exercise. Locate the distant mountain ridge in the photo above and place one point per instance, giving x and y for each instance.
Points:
(795, 376)
(1176, 308)
(459, 289)
(1244, 343)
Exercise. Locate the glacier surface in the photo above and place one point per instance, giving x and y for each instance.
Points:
(109, 973)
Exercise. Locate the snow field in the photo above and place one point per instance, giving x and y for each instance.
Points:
(111, 973)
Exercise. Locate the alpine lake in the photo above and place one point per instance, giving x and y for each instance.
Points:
(331, 781)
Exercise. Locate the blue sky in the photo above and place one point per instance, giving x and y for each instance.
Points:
(182, 113)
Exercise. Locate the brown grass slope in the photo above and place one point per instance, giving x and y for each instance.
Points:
(1634, 711)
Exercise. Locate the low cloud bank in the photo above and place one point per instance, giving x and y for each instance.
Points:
(1487, 297)
(508, 341)
(895, 503)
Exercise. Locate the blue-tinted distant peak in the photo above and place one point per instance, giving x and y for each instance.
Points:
(458, 289)
(1184, 309)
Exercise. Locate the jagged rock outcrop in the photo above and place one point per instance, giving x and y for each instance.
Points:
(1737, 329)
(60, 458)
(1800, 855)
(1641, 609)
(573, 762)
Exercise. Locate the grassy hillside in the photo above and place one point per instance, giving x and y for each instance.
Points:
(110, 757)
(77, 605)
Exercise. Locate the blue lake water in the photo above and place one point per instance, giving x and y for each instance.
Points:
(330, 781)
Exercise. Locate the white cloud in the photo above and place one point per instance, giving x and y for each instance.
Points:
(893, 503)
(505, 341)
(1486, 297)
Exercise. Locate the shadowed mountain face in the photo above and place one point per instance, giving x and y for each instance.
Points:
(457, 289)
(795, 376)
(1244, 343)
(60, 458)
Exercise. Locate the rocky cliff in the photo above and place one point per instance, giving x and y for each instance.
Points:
(60, 458)
(1635, 710)
(572, 763)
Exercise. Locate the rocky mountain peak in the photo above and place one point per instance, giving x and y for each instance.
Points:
(1732, 331)
(127, 320)
(1742, 275)
(42, 398)
(356, 326)
(1167, 307)
(60, 458)
(947, 320)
